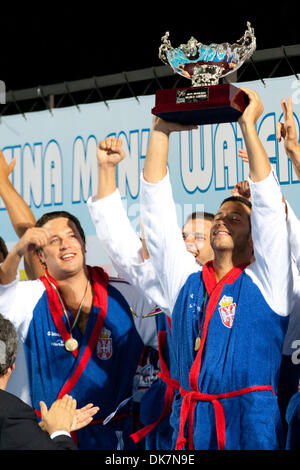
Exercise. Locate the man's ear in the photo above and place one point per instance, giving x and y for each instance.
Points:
(41, 257)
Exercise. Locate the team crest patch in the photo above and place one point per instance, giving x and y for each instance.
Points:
(104, 345)
(227, 310)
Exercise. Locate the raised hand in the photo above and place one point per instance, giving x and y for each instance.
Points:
(84, 416)
(33, 239)
(287, 130)
(110, 152)
(5, 168)
(60, 416)
(242, 189)
(167, 127)
(254, 109)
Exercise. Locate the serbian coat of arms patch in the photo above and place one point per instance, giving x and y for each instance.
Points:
(104, 345)
(227, 310)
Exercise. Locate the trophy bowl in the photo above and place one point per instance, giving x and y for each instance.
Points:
(205, 65)
(206, 101)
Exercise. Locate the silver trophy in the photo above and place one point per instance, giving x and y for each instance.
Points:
(205, 65)
(206, 101)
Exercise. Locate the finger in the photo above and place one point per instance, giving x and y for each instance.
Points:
(11, 165)
(67, 402)
(284, 108)
(74, 404)
(243, 155)
(289, 107)
(250, 93)
(116, 145)
(108, 142)
(44, 409)
(94, 410)
(42, 425)
(86, 407)
(104, 144)
(280, 131)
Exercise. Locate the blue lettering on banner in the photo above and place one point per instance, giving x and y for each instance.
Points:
(38, 173)
(57, 165)
(208, 161)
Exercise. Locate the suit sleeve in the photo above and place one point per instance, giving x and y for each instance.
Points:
(19, 430)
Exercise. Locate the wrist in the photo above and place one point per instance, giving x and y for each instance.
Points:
(108, 167)
(247, 127)
(293, 151)
(5, 185)
(161, 126)
(106, 181)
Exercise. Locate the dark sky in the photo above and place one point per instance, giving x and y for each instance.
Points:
(57, 45)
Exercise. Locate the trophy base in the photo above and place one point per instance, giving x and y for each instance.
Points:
(201, 104)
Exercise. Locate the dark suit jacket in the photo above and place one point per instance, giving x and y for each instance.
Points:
(19, 429)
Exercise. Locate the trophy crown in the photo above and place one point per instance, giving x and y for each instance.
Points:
(206, 64)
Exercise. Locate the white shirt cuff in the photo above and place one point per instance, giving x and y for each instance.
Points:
(59, 433)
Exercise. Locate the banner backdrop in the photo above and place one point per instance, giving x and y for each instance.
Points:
(56, 166)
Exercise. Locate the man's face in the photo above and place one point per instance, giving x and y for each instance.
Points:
(231, 228)
(64, 254)
(196, 235)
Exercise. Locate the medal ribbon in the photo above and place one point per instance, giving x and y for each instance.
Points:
(99, 279)
(71, 327)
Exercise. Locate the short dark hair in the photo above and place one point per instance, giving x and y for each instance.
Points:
(241, 199)
(3, 248)
(57, 214)
(8, 345)
(200, 215)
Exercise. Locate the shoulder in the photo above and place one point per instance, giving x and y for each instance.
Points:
(13, 407)
(122, 286)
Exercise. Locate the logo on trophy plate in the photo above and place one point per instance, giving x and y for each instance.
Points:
(206, 101)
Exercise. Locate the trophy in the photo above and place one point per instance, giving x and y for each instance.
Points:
(206, 101)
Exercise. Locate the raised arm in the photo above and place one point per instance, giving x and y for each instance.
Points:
(33, 239)
(286, 130)
(259, 163)
(114, 229)
(167, 250)
(157, 154)
(271, 270)
(20, 215)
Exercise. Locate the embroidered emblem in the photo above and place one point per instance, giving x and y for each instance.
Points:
(104, 345)
(227, 311)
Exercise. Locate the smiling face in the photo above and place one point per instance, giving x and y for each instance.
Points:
(196, 235)
(231, 228)
(64, 255)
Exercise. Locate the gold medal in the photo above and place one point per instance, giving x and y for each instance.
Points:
(71, 344)
(197, 343)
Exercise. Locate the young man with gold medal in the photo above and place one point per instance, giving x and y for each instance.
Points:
(77, 329)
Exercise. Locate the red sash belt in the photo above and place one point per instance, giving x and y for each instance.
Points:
(190, 399)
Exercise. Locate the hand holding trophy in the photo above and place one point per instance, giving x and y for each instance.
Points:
(206, 101)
